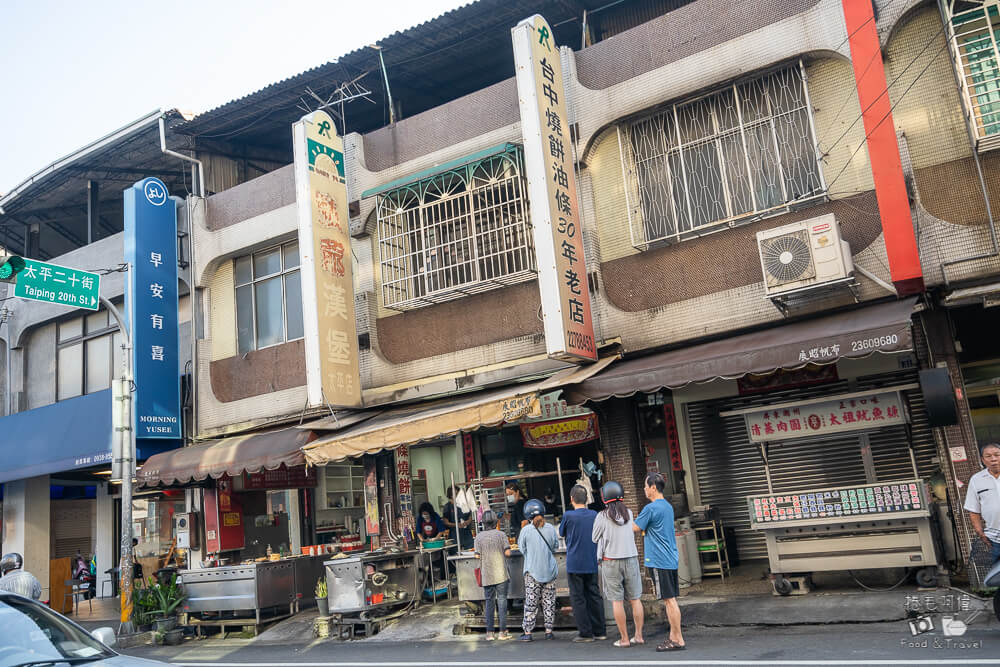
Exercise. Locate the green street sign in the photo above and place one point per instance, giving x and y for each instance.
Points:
(61, 285)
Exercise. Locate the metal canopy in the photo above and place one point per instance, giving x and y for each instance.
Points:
(56, 197)
(457, 53)
(439, 169)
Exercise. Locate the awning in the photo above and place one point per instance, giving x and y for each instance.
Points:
(229, 456)
(854, 334)
(440, 169)
(967, 295)
(64, 436)
(422, 422)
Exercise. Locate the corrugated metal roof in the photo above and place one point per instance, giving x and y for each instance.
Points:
(456, 53)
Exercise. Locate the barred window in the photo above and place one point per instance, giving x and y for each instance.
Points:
(974, 33)
(458, 232)
(742, 151)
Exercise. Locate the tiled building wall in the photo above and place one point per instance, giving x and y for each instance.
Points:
(934, 344)
(623, 458)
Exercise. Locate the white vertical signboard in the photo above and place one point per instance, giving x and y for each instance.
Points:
(555, 219)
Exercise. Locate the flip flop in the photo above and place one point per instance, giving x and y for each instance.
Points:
(638, 641)
(669, 645)
(618, 644)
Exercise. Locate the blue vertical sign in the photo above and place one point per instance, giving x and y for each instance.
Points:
(151, 303)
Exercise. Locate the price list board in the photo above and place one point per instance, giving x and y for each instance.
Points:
(868, 501)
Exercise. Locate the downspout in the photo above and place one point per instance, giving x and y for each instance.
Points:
(192, 287)
(186, 158)
(975, 158)
(193, 298)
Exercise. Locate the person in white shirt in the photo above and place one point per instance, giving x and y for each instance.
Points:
(982, 501)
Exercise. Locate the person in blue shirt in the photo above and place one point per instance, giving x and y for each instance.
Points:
(581, 568)
(656, 521)
(538, 542)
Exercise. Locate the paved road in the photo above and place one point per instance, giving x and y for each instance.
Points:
(880, 643)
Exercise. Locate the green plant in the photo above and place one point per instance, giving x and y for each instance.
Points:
(321, 587)
(145, 606)
(167, 596)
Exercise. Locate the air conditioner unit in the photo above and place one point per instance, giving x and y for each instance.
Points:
(803, 254)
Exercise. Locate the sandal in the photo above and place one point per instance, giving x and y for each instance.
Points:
(618, 644)
(638, 641)
(669, 645)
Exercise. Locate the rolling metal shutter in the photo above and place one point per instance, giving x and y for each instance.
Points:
(729, 466)
(71, 524)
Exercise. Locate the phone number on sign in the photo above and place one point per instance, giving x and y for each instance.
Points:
(874, 343)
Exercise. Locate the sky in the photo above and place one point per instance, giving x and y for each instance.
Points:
(72, 72)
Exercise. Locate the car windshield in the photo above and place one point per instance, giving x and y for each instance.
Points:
(34, 633)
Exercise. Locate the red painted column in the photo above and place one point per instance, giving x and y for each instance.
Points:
(883, 149)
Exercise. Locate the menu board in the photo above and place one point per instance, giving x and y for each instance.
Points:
(852, 501)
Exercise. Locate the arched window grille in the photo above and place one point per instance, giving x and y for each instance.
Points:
(461, 231)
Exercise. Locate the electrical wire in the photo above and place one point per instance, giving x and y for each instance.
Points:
(906, 575)
(852, 94)
(887, 114)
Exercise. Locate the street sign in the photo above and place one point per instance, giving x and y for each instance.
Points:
(61, 285)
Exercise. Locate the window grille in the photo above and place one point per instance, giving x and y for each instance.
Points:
(458, 232)
(697, 166)
(974, 31)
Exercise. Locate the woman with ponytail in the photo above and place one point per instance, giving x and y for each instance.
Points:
(619, 561)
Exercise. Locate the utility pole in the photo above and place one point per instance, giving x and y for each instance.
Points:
(123, 463)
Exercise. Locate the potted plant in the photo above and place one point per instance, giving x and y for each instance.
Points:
(167, 598)
(322, 601)
(144, 609)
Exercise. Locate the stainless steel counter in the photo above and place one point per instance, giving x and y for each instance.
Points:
(469, 591)
(249, 588)
(350, 587)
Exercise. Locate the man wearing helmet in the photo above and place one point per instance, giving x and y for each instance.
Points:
(16, 580)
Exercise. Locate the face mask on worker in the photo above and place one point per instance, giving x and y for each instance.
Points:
(510, 497)
(426, 516)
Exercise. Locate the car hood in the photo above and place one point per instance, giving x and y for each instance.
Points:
(126, 661)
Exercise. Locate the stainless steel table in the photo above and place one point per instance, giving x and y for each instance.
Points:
(466, 563)
(250, 587)
(350, 586)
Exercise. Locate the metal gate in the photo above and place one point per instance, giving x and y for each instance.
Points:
(729, 467)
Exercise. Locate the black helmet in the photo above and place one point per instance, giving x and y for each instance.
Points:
(533, 508)
(10, 562)
(612, 491)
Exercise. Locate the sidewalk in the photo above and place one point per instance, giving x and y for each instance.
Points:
(743, 600)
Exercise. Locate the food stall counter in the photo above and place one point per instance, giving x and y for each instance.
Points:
(469, 590)
(364, 582)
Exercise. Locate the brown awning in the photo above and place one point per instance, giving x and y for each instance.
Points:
(857, 333)
(421, 422)
(229, 456)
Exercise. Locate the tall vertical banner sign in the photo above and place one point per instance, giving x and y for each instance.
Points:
(151, 304)
(548, 161)
(331, 339)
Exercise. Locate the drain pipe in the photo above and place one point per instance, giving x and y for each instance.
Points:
(186, 158)
(975, 158)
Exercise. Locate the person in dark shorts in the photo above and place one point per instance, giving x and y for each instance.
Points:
(656, 521)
